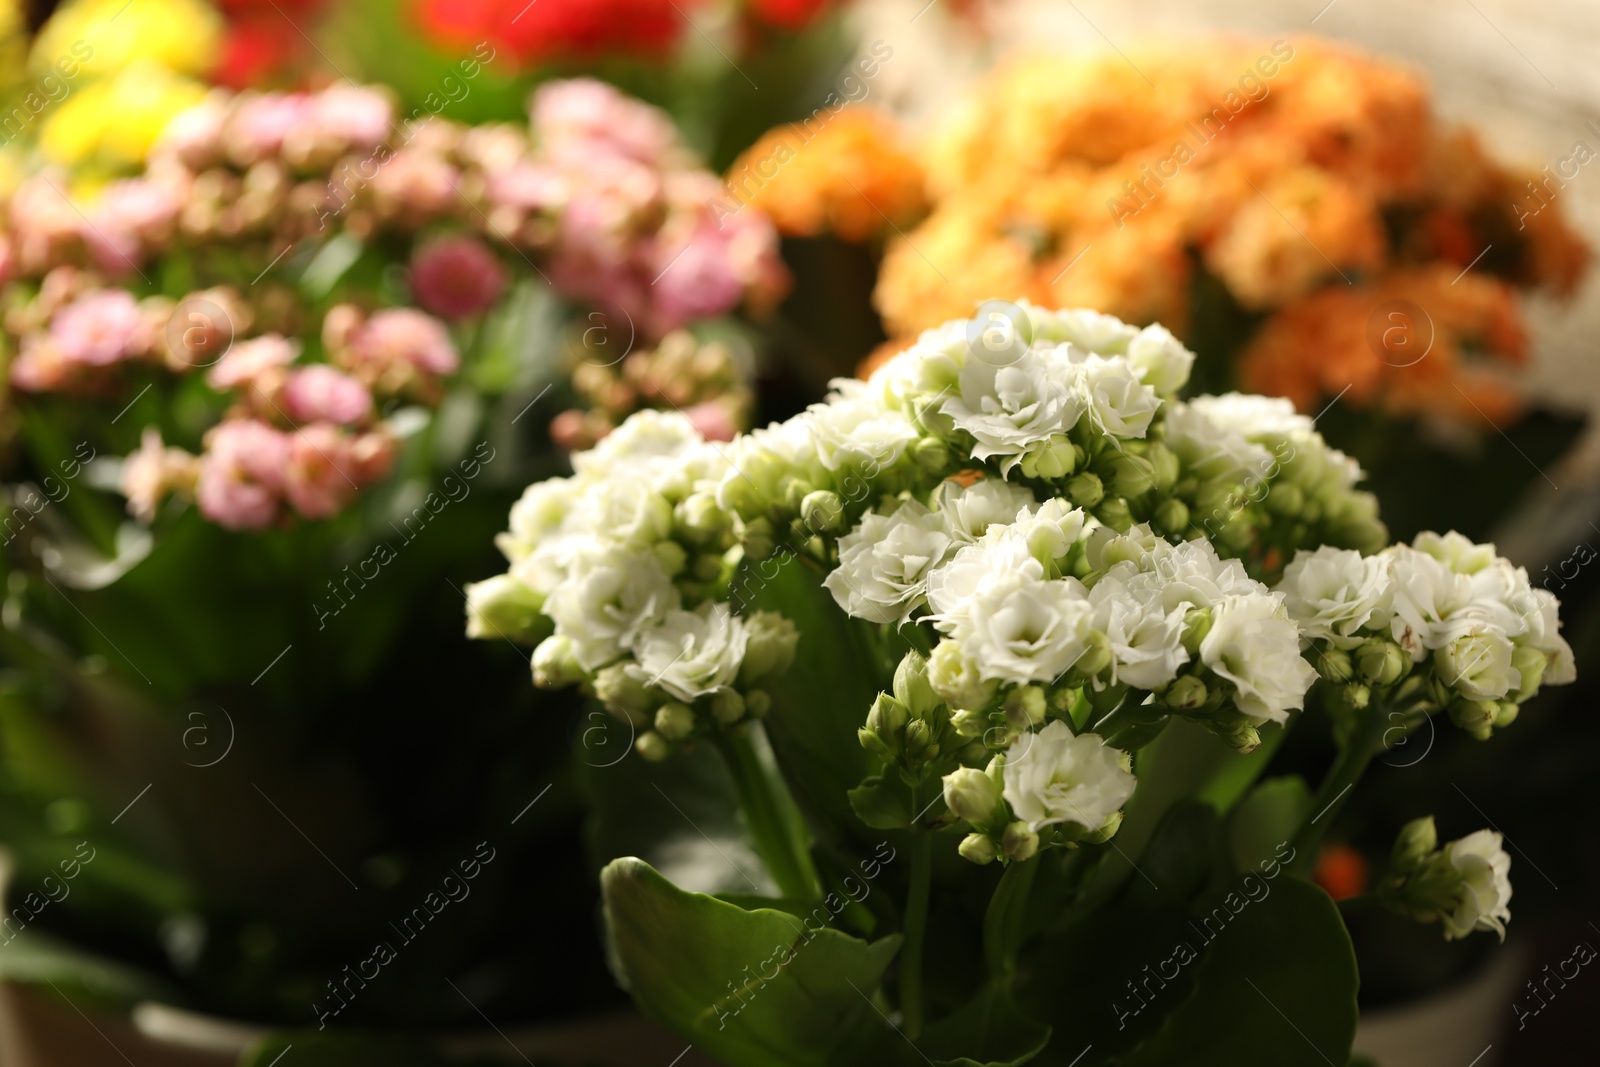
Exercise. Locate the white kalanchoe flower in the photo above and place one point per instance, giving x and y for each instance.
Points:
(1455, 551)
(1054, 777)
(1254, 416)
(538, 516)
(1334, 594)
(884, 563)
(1010, 409)
(1025, 630)
(1485, 872)
(1191, 574)
(854, 429)
(1214, 450)
(971, 510)
(1478, 666)
(649, 444)
(1253, 644)
(956, 678)
(1160, 359)
(691, 654)
(1001, 555)
(1119, 403)
(610, 595)
(971, 794)
(1050, 529)
(1146, 641)
(625, 508)
(1092, 331)
(1544, 635)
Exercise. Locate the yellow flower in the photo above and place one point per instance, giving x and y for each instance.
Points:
(114, 121)
(181, 35)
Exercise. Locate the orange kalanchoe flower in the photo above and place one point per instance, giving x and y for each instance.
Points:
(846, 174)
(1307, 184)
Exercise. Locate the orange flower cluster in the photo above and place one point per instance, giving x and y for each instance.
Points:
(1310, 183)
(850, 177)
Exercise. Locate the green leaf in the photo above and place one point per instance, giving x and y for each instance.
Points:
(750, 988)
(883, 802)
(1276, 988)
(989, 1031)
(1267, 819)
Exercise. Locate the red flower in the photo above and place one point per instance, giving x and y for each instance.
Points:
(1341, 871)
(557, 29)
(790, 14)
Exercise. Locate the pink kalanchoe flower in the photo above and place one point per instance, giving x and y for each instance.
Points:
(696, 280)
(7, 259)
(578, 117)
(406, 335)
(97, 329)
(195, 136)
(318, 478)
(242, 474)
(248, 360)
(714, 420)
(319, 393)
(352, 115)
(457, 277)
(38, 367)
(529, 186)
(260, 125)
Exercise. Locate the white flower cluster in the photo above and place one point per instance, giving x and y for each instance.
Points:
(1446, 620)
(625, 561)
(1046, 595)
(1466, 885)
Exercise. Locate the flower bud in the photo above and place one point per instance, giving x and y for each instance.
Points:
(1106, 832)
(1186, 693)
(1416, 841)
(757, 702)
(912, 688)
(1529, 663)
(1025, 707)
(931, 454)
(1358, 696)
(675, 720)
(977, 848)
(770, 641)
(1053, 459)
(1476, 717)
(502, 606)
(758, 539)
(554, 665)
(1019, 842)
(1085, 490)
(1286, 500)
(919, 741)
(626, 694)
(1096, 657)
(699, 516)
(1131, 475)
(1164, 462)
(887, 717)
(1507, 715)
(1381, 662)
(969, 723)
(1114, 513)
(727, 706)
(955, 678)
(1196, 624)
(972, 795)
(822, 511)
(1335, 666)
(1172, 516)
(652, 747)
(672, 557)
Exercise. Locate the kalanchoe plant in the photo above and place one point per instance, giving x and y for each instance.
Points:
(1089, 611)
(263, 407)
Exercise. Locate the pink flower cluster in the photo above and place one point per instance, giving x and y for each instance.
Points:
(250, 471)
(625, 215)
(396, 351)
(73, 334)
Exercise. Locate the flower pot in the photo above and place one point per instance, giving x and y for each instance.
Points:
(1452, 1028)
(41, 1029)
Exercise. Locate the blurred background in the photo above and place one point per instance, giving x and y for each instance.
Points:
(299, 294)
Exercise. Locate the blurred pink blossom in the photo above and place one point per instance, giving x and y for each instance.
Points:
(248, 360)
(457, 277)
(97, 329)
(581, 116)
(405, 335)
(356, 116)
(242, 474)
(317, 480)
(319, 393)
(261, 124)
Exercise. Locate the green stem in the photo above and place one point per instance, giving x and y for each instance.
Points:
(1336, 788)
(775, 827)
(915, 931)
(1002, 923)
